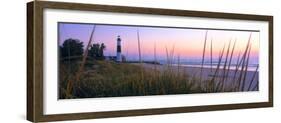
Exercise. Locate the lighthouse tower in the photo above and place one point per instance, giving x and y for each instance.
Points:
(118, 55)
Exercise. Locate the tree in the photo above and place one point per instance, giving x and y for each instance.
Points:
(71, 47)
(96, 51)
(102, 48)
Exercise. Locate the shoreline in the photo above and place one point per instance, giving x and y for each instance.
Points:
(207, 73)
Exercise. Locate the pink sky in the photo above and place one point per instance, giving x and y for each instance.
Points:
(187, 43)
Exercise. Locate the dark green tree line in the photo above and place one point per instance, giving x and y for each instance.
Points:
(97, 51)
(71, 47)
(74, 48)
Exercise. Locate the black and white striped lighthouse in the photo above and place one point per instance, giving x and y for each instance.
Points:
(118, 55)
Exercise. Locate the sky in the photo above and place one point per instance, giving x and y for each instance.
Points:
(187, 43)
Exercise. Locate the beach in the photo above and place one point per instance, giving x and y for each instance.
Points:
(207, 73)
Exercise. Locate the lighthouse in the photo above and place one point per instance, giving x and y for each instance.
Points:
(118, 54)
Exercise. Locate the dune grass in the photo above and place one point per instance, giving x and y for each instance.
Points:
(110, 79)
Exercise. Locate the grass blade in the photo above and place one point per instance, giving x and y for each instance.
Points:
(201, 71)
(253, 78)
(217, 70)
(155, 61)
(246, 69)
(224, 67)
(139, 47)
(211, 55)
(243, 60)
(70, 83)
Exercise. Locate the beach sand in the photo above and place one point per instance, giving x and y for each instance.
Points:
(208, 73)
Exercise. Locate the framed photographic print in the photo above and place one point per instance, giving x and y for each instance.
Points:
(96, 61)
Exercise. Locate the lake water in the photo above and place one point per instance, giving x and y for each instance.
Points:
(207, 64)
